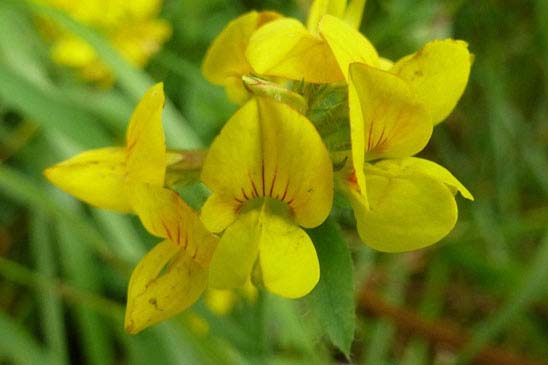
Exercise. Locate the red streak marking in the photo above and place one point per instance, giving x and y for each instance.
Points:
(285, 191)
(244, 194)
(238, 200)
(131, 145)
(186, 242)
(352, 178)
(178, 234)
(273, 183)
(168, 233)
(369, 137)
(290, 201)
(255, 193)
(380, 141)
(375, 116)
(262, 176)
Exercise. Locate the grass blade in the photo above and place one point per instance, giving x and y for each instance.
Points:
(51, 309)
(532, 287)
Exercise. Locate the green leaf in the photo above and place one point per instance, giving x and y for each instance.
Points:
(333, 298)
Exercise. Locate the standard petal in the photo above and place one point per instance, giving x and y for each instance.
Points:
(438, 73)
(166, 215)
(295, 166)
(234, 154)
(225, 62)
(421, 166)
(164, 283)
(145, 141)
(386, 119)
(268, 150)
(347, 44)
(96, 177)
(288, 261)
(406, 212)
(236, 253)
(285, 48)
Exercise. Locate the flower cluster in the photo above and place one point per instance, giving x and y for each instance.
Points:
(271, 171)
(400, 202)
(132, 27)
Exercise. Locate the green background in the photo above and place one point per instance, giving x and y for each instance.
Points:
(483, 290)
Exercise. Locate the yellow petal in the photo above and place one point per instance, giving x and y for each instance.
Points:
(143, 9)
(268, 150)
(72, 51)
(386, 119)
(236, 253)
(288, 260)
(218, 212)
(347, 44)
(96, 177)
(285, 48)
(235, 90)
(415, 166)
(164, 283)
(319, 8)
(225, 62)
(166, 215)
(138, 41)
(438, 73)
(354, 13)
(145, 141)
(385, 64)
(406, 212)
(220, 302)
(225, 169)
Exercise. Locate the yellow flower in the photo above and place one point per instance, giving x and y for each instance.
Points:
(130, 179)
(351, 11)
(270, 173)
(437, 74)
(130, 26)
(225, 63)
(105, 177)
(286, 48)
(392, 107)
(164, 283)
(267, 45)
(401, 203)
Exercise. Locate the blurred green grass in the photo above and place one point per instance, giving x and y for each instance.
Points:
(64, 266)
